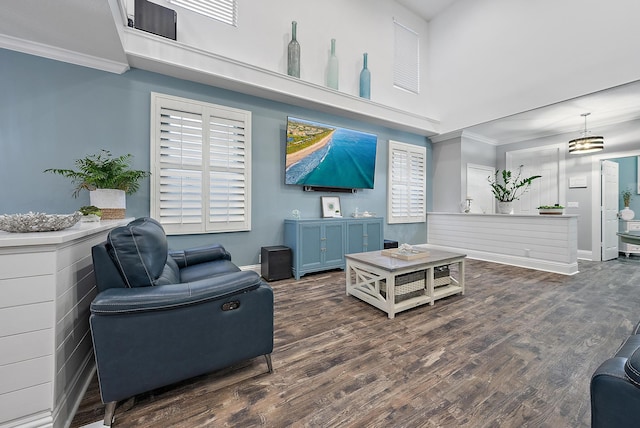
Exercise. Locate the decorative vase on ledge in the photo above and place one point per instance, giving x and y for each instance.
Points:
(505, 207)
(293, 53)
(332, 75)
(365, 79)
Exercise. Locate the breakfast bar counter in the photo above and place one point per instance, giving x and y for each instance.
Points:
(542, 242)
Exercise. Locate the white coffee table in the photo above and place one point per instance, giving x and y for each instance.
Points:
(368, 274)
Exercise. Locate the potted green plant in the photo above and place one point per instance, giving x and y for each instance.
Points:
(556, 209)
(90, 213)
(508, 187)
(108, 180)
(627, 213)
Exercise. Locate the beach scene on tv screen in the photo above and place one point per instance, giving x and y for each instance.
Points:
(328, 156)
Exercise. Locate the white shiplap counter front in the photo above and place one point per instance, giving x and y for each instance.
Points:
(543, 242)
(46, 287)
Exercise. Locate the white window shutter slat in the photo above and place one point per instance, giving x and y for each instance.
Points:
(194, 140)
(222, 10)
(406, 64)
(406, 183)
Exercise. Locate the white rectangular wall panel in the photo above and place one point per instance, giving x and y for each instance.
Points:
(46, 287)
(543, 242)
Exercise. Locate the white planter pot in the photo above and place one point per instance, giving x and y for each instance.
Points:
(627, 214)
(112, 202)
(505, 207)
(551, 211)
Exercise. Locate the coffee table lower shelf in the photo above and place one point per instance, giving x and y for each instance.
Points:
(367, 276)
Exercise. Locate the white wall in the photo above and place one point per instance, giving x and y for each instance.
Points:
(494, 58)
(447, 175)
(264, 31)
(451, 157)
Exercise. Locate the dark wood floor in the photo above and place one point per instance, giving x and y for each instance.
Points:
(517, 350)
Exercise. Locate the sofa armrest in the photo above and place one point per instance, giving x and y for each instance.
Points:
(194, 256)
(615, 400)
(119, 301)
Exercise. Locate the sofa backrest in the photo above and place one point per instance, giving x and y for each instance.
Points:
(140, 252)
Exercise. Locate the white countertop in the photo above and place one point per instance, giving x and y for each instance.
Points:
(79, 230)
(506, 215)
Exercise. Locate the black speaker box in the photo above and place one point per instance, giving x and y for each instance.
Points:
(275, 262)
(155, 19)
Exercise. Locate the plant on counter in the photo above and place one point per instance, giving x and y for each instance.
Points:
(511, 187)
(91, 210)
(103, 171)
(551, 207)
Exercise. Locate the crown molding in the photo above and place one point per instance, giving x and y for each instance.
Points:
(463, 133)
(64, 55)
(479, 138)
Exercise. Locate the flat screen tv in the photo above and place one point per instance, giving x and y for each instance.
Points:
(321, 155)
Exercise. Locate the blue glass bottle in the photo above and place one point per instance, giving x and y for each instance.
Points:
(293, 53)
(365, 80)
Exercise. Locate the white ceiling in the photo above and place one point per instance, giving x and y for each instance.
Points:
(34, 26)
(609, 107)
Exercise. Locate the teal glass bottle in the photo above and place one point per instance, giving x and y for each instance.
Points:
(365, 80)
(293, 53)
(332, 74)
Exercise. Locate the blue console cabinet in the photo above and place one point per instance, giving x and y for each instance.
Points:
(320, 244)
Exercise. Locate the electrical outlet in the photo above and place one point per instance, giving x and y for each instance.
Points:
(573, 205)
(259, 258)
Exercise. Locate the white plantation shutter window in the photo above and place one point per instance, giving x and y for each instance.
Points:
(201, 165)
(222, 10)
(407, 177)
(227, 181)
(406, 61)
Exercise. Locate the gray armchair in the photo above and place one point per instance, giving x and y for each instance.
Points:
(161, 317)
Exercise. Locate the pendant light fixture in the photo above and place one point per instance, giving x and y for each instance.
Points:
(586, 143)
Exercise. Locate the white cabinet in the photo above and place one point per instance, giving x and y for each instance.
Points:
(628, 226)
(46, 287)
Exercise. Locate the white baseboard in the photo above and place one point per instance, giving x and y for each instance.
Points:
(525, 262)
(585, 255)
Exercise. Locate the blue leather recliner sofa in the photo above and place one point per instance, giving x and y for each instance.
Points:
(161, 317)
(615, 387)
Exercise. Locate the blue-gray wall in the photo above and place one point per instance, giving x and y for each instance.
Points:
(53, 113)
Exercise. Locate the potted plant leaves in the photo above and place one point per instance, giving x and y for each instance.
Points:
(508, 187)
(108, 180)
(627, 213)
(90, 213)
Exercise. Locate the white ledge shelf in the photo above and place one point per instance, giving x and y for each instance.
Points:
(153, 53)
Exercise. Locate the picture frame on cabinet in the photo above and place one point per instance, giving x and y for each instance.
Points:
(330, 206)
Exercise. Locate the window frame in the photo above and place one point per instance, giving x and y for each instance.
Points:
(163, 104)
(406, 58)
(225, 11)
(409, 185)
